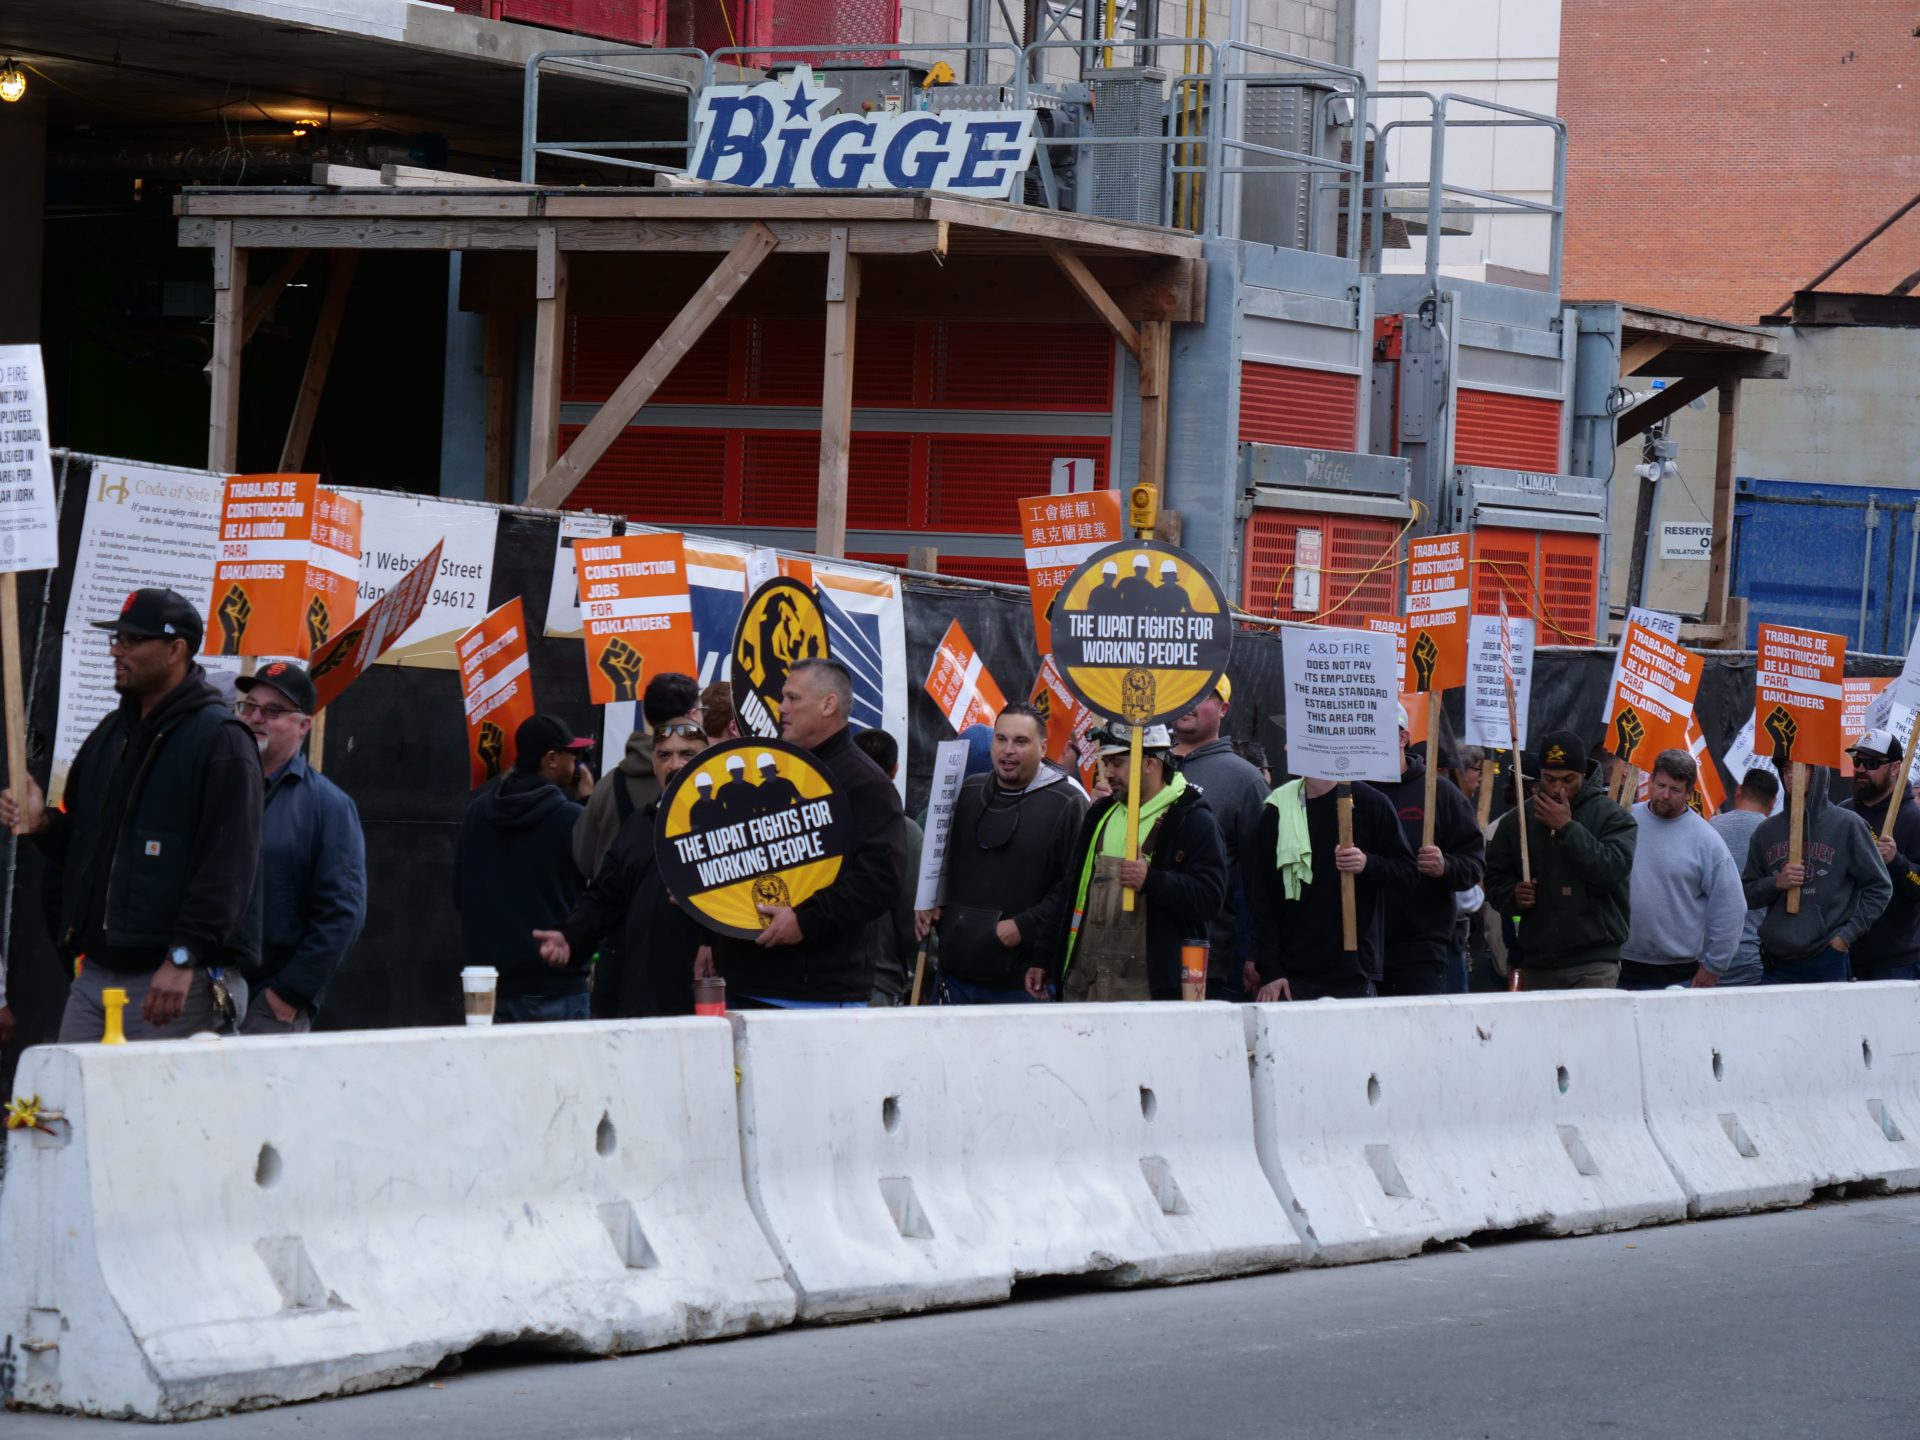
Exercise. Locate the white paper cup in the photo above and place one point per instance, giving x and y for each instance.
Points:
(478, 984)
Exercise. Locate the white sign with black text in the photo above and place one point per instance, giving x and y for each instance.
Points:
(29, 527)
(1685, 541)
(1343, 704)
(949, 770)
(1487, 680)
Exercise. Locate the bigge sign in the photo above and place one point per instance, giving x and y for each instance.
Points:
(773, 136)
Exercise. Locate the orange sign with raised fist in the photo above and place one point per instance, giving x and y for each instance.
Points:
(1653, 692)
(496, 687)
(1798, 696)
(960, 685)
(636, 612)
(259, 597)
(333, 567)
(1438, 599)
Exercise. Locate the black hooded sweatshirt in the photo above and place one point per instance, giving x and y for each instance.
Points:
(514, 873)
(1420, 920)
(651, 971)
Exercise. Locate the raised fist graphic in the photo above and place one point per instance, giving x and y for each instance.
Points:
(234, 611)
(1425, 654)
(1630, 730)
(319, 624)
(1785, 730)
(622, 664)
(492, 747)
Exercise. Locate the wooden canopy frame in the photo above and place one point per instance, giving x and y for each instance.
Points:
(1137, 279)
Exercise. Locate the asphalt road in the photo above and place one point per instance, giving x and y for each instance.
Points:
(1805, 1323)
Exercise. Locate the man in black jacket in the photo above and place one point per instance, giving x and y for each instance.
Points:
(1012, 834)
(823, 952)
(1890, 950)
(651, 971)
(1420, 923)
(1299, 947)
(514, 870)
(1104, 951)
(158, 842)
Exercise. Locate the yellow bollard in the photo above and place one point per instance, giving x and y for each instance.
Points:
(115, 1000)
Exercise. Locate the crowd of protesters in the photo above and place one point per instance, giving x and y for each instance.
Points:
(200, 865)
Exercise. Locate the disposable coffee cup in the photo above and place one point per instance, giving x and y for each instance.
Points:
(709, 995)
(1193, 970)
(478, 984)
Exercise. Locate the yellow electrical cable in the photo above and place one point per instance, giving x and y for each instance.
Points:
(727, 20)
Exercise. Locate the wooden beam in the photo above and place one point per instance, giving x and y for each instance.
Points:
(1636, 355)
(836, 397)
(229, 318)
(1648, 413)
(349, 177)
(313, 383)
(1156, 354)
(1725, 455)
(276, 285)
(415, 177)
(655, 366)
(691, 236)
(1724, 365)
(1094, 293)
(500, 352)
(549, 339)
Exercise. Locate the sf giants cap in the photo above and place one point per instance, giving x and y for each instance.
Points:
(157, 612)
(290, 680)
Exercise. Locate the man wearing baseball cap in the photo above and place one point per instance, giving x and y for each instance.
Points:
(164, 801)
(1574, 911)
(1890, 950)
(514, 873)
(1108, 952)
(313, 856)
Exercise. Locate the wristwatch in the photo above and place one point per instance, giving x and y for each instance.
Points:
(180, 956)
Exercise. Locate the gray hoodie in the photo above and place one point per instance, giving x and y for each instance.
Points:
(1236, 794)
(1847, 884)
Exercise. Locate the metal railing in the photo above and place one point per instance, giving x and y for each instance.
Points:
(1206, 155)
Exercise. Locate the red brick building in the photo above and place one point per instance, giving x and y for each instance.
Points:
(1721, 155)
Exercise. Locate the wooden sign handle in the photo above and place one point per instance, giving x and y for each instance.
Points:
(15, 694)
(1433, 765)
(1520, 810)
(1133, 811)
(1895, 800)
(1349, 918)
(920, 973)
(1796, 829)
(1488, 769)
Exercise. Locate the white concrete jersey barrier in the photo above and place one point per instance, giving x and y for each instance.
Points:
(905, 1159)
(224, 1225)
(1758, 1097)
(1386, 1124)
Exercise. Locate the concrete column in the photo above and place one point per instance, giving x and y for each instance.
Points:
(463, 411)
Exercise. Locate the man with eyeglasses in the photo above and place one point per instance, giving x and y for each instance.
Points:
(1011, 841)
(1890, 950)
(157, 843)
(313, 856)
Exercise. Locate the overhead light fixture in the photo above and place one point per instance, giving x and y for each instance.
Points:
(304, 126)
(13, 83)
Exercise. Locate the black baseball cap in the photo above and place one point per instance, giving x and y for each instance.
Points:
(289, 679)
(539, 734)
(1560, 750)
(157, 612)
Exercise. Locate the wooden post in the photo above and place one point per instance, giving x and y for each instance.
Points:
(229, 320)
(836, 395)
(1433, 766)
(1520, 814)
(1133, 808)
(920, 973)
(1900, 778)
(682, 333)
(1720, 567)
(317, 744)
(549, 341)
(1349, 919)
(1156, 347)
(499, 349)
(14, 695)
(1796, 830)
(313, 383)
(1488, 769)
